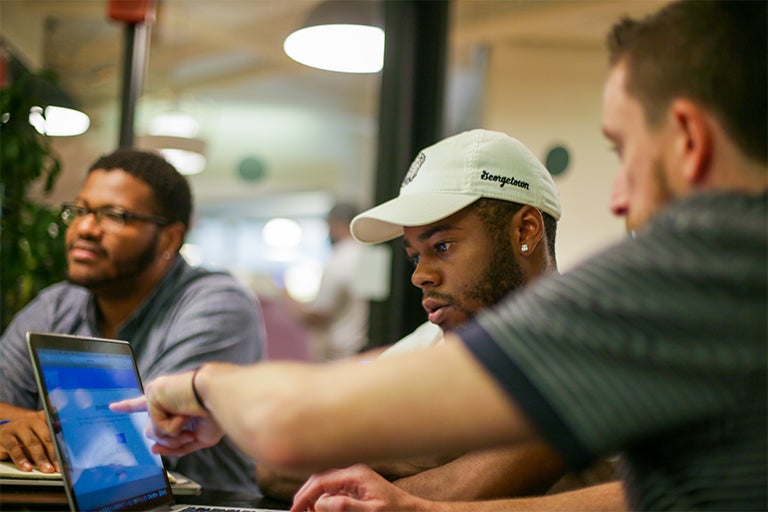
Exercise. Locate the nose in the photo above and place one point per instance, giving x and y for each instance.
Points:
(425, 274)
(619, 203)
(88, 223)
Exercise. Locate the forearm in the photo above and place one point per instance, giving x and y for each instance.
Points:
(399, 470)
(268, 409)
(599, 498)
(520, 470)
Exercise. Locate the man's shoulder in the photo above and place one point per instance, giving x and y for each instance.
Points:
(198, 278)
(64, 294)
(199, 289)
(57, 307)
(425, 336)
(717, 211)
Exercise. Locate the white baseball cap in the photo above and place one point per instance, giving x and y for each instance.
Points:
(454, 173)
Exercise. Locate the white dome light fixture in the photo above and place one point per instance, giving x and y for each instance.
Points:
(340, 35)
(58, 121)
(174, 123)
(185, 161)
(174, 135)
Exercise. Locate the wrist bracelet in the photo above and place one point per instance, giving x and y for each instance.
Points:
(194, 390)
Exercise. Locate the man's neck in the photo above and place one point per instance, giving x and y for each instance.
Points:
(119, 302)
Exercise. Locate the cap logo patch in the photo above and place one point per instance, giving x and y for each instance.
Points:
(413, 170)
(504, 180)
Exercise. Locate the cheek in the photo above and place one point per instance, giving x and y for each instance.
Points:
(69, 235)
(127, 245)
(635, 169)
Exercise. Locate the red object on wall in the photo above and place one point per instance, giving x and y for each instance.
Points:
(3, 68)
(132, 11)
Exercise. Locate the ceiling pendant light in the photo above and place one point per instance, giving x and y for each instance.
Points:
(59, 121)
(174, 135)
(340, 35)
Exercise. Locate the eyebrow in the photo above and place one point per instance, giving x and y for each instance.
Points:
(426, 235)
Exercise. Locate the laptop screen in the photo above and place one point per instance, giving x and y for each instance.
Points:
(104, 456)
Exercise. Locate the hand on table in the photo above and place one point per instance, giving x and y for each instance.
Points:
(27, 442)
(355, 488)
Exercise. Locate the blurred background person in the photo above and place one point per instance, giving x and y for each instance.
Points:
(338, 317)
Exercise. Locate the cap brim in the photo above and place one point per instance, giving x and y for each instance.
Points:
(386, 221)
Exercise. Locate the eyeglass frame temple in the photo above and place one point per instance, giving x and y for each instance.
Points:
(126, 215)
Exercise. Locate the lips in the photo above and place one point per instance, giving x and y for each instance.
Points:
(83, 251)
(436, 310)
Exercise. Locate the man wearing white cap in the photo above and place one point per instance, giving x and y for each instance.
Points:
(478, 215)
(495, 183)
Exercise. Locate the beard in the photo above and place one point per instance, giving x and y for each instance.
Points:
(502, 276)
(128, 270)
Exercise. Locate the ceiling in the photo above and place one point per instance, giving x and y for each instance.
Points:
(222, 61)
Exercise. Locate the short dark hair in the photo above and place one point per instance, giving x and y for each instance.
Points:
(496, 215)
(712, 52)
(172, 195)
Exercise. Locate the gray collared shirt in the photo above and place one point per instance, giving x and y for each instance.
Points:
(193, 316)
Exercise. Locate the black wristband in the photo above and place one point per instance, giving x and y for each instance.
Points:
(194, 390)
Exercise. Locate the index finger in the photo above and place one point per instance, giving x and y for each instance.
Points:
(138, 404)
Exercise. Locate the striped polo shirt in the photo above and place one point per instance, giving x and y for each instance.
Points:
(655, 348)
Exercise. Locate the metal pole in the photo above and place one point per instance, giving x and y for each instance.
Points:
(134, 65)
(410, 118)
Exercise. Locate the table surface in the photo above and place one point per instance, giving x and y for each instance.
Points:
(18, 497)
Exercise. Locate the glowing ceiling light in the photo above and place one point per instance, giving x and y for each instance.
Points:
(282, 233)
(59, 121)
(340, 35)
(177, 124)
(338, 47)
(186, 162)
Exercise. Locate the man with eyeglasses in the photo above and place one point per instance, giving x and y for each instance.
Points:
(126, 280)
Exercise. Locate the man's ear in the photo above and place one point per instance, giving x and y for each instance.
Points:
(693, 146)
(171, 238)
(528, 229)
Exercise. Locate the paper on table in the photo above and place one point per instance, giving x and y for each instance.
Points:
(9, 470)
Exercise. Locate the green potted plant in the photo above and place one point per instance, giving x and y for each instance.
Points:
(31, 238)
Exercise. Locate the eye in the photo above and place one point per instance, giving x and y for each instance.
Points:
(78, 211)
(414, 259)
(115, 216)
(441, 247)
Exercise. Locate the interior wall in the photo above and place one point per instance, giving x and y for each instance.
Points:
(548, 96)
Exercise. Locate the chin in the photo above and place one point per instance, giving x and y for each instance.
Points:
(84, 280)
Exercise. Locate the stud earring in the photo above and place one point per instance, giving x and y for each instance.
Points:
(524, 247)
(167, 255)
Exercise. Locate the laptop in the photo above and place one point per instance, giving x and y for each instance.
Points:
(105, 458)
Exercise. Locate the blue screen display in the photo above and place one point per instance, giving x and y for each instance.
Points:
(106, 454)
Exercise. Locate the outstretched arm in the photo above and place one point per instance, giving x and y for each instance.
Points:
(268, 409)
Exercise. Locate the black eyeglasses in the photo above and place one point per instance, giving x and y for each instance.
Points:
(110, 218)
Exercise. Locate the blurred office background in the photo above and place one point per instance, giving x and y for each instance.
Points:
(279, 142)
